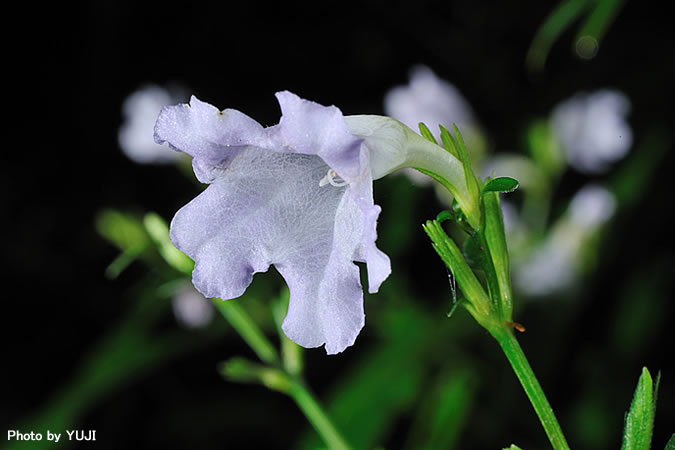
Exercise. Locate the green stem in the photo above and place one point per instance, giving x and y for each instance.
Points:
(248, 330)
(514, 353)
(318, 418)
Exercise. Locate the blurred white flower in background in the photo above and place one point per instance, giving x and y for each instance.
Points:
(435, 102)
(428, 99)
(190, 307)
(591, 207)
(559, 261)
(140, 111)
(592, 129)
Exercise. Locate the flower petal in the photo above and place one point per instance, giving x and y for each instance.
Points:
(268, 203)
(268, 208)
(314, 129)
(210, 136)
(334, 299)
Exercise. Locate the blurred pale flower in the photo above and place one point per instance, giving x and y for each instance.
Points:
(593, 130)
(435, 102)
(297, 195)
(140, 110)
(549, 269)
(592, 206)
(190, 307)
(428, 99)
(557, 263)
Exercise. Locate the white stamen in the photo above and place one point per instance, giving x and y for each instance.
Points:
(330, 178)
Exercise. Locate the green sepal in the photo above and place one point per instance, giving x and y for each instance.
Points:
(426, 133)
(474, 252)
(495, 241)
(471, 181)
(501, 184)
(640, 418)
(449, 142)
(477, 301)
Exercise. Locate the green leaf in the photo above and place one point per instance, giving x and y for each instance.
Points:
(502, 184)
(443, 412)
(424, 131)
(121, 229)
(512, 447)
(444, 215)
(671, 443)
(640, 419)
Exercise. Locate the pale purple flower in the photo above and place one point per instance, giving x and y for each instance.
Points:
(592, 206)
(140, 110)
(593, 130)
(557, 263)
(428, 99)
(190, 307)
(433, 101)
(297, 195)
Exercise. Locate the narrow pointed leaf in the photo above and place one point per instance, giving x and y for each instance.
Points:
(671, 443)
(640, 418)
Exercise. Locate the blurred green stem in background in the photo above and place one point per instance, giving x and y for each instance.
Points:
(280, 374)
(315, 414)
(600, 15)
(248, 330)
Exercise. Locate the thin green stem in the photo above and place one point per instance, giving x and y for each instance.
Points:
(255, 338)
(514, 353)
(316, 415)
(248, 330)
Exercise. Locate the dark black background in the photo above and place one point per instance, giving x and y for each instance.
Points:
(75, 66)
